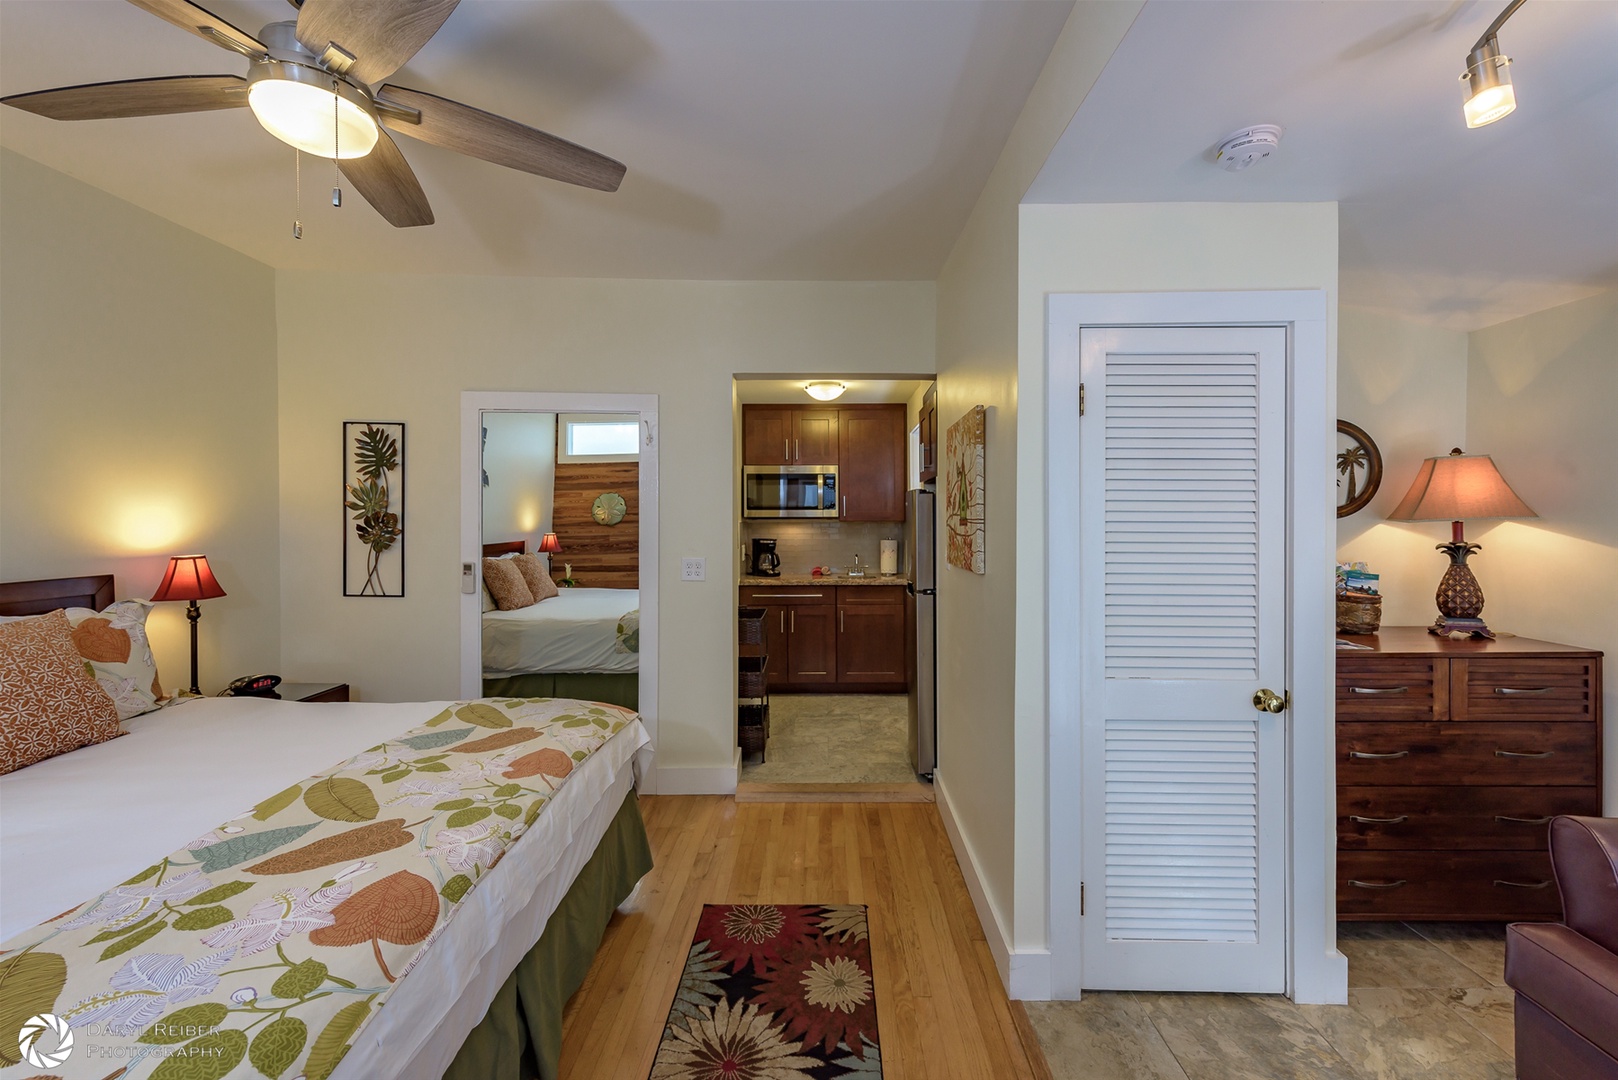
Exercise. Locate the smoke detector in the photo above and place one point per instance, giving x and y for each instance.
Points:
(1246, 145)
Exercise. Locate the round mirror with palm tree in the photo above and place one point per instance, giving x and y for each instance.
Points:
(1359, 468)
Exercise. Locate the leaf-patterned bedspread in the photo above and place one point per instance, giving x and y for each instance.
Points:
(262, 948)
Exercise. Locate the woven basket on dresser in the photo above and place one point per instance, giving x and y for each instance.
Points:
(1358, 613)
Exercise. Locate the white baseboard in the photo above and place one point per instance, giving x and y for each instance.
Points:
(699, 779)
(1026, 974)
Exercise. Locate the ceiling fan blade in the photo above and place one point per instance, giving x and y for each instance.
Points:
(135, 97)
(383, 34)
(505, 142)
(383, 176)
(203, 23)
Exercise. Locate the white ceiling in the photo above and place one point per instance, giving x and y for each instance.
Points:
(1458, 227)
(765, 139)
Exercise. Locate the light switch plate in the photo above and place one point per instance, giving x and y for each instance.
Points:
(693, 569)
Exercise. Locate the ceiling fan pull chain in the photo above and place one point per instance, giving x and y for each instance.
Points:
(336, 133)
(297, 194)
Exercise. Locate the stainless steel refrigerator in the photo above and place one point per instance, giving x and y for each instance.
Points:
(921, 603)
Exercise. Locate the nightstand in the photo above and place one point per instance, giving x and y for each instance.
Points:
(312, 691)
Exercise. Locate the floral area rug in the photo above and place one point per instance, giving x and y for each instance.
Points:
(774, 992)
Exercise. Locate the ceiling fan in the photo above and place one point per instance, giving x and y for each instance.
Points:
(318, 84)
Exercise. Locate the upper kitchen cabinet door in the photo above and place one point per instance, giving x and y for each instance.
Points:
(766, 435)
(871, 473)
(814, 436)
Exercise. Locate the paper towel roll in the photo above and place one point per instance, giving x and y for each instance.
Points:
(890, 557)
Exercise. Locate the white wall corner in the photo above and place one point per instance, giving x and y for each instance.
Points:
(698, 779)
(1026, 973)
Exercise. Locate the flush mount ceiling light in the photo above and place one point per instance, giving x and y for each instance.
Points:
(1489, 95)
(824, 391)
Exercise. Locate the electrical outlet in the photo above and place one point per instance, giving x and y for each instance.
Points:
(693, 569)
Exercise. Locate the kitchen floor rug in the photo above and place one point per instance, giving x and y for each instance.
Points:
(774, 992)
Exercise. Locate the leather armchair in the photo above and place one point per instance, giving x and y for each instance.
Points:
(1566, 974)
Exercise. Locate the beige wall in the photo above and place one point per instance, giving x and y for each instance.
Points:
(412, 344)
(138, 413)
(519, 457)
(991, 692)
(1540, 397)
(1405, 384)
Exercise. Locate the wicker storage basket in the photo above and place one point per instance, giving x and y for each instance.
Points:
(751, 680)
(1358, 613)
(751, 739)
(750, 625)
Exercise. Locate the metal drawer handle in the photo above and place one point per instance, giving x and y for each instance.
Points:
(781, 595)
(1383, 757)
(1378, 689)
(1400, 820)
(1523, 753)
(1377, 885)
(1509, 820)
(1525, 884)
(1523, 689)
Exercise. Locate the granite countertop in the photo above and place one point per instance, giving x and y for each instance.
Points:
(826, 579)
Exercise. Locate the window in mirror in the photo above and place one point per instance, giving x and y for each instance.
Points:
(599, 437)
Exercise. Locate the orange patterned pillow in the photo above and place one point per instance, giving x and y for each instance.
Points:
(506, 584)
(50, 702)
(537, 576)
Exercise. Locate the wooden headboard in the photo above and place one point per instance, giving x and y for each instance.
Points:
(505, 547)
(37, 597)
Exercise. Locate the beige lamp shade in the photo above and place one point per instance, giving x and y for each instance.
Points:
(1459, 487)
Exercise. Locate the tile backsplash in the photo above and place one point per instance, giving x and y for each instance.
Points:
(805, 544)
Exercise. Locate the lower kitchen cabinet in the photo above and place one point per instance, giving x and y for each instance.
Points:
(825, 637)
(871, 636)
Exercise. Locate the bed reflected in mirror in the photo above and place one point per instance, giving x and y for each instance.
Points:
(561, 556)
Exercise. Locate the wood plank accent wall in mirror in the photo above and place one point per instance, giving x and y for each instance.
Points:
(602, 556)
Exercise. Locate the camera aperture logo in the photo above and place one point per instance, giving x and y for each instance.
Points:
(31, 1033)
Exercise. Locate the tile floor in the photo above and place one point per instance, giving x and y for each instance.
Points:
(1426, 1001)
(834, 739)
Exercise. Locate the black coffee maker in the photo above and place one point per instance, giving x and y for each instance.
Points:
(766, 563)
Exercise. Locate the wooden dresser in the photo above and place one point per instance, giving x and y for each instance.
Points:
(1452, 756)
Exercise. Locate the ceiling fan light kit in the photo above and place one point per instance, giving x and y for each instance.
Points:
(318, 84)
(1489, 94)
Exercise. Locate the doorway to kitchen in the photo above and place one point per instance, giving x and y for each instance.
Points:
(833, 492)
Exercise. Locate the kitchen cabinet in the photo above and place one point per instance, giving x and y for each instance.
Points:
(789, 435)
(1452, 757)
(871, 463)
(800, 628)
(929, 435)
(825, 637)
(871, 636)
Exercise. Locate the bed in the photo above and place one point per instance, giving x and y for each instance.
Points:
(484, 1000)
(581, 643)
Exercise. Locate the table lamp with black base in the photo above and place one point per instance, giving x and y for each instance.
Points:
(1458, 488)
(189, 578)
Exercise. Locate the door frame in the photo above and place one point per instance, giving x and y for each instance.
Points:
(474, 403)
(1316, 971)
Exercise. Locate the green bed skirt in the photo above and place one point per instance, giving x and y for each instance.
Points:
(616, 689)
(521, 1035)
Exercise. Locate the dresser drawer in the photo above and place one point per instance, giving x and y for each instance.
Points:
(1523, 688)
(1446, 884)
(1392, 688)
(1456, 817)
(1502, 754)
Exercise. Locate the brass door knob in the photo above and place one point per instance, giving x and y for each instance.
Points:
(1269, 701)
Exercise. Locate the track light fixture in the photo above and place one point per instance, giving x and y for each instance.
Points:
(1489, 95)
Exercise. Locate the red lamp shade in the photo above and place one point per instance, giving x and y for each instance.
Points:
(188, 578)
(549, 544)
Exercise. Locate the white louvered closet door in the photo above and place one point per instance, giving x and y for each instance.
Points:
(1183, 563)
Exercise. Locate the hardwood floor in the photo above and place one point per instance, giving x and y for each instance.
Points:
(941, 1010)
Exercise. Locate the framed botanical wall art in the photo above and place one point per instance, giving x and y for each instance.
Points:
(963, 491)
(373, 508)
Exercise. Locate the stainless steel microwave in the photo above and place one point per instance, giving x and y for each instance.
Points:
(789, 491)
